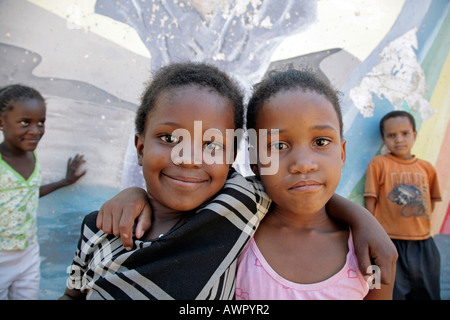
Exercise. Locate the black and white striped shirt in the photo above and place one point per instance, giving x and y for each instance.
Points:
(196, 260)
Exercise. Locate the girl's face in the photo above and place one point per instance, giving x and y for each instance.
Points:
(399, 136)
(24, 125)
(310, 151)
(181, 180)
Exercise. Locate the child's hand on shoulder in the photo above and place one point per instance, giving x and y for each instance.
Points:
(374, 247)
(118, 215)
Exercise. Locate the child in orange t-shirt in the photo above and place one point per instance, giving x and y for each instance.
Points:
(400, 191)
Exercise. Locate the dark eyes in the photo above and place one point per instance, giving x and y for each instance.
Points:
(320, 142)
(393, 135)
(168, 138)
(211, 145)
(278, 145)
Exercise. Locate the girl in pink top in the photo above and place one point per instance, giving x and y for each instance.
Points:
(298, 251)
(257, 280)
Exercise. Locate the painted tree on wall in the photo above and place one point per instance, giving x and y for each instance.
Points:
(238, 36)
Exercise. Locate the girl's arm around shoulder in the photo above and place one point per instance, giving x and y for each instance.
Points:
(118, 214)
(371, 242)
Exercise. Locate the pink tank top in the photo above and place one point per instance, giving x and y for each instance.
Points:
(256, 280)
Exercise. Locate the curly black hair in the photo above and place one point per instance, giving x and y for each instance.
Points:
(16, 92)
(186, 74)
(305, 79)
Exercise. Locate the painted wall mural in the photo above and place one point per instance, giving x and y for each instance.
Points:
(92, 58)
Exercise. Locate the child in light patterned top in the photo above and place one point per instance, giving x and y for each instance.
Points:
(22, 120)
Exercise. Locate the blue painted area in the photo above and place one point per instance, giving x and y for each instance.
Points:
(432, 21)
(59, 219)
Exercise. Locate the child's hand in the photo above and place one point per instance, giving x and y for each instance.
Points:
(118, 214)
(73, 168)
(372, 243)
(370, 240)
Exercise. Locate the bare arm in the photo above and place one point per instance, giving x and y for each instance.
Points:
(370, 203)
(383, 293)
(433, 205)
(72, 175)
(118, 214)
(370, 240)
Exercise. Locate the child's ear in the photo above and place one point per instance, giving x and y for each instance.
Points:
(139, 143)
(343, 152)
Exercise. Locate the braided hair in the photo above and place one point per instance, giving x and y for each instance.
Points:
(16, 92)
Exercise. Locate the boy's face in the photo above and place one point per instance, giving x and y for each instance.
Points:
(24, 125)
(310, 150)
(399, 136)
(181, 180)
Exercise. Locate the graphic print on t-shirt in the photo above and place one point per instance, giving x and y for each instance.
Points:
(408, 193)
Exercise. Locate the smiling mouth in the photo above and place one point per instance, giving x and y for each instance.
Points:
(185, 181)
(32, 141)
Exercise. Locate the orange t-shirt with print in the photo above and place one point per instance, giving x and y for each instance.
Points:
(404, 190)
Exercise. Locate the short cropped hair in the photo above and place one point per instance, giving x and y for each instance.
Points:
(395, 114)
(277, 81)
(185, 74)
